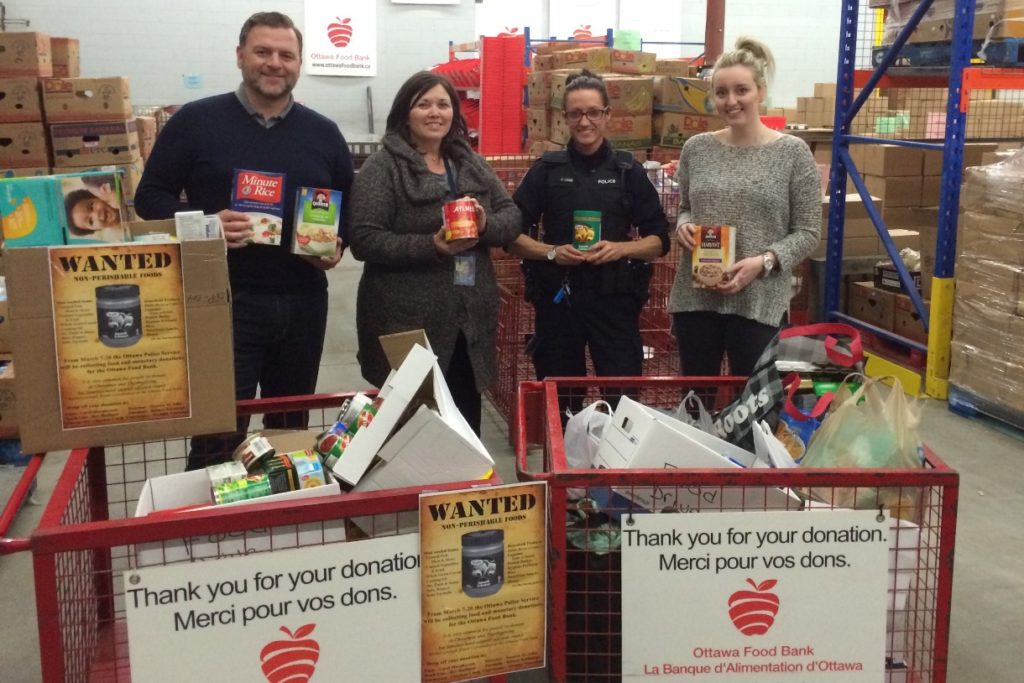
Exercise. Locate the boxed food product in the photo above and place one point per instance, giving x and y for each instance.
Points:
(66, 61)
(20, 100)
(23, 145)
(888, 278)
(683, 67)
(25, 54)
(630, 95)
(633, 62)
(714, 254)
(538, 123)
(31, 212)
(906, 322)
(77, 145)
(146, 127)
(628, 132)
(317, 215)
(87, 99)
(260, 195)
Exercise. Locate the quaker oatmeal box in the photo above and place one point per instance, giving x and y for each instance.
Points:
(714, 254)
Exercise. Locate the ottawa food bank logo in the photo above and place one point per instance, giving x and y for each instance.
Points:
(583, 32)
(292, 660)
(753, 612)
(340, 32)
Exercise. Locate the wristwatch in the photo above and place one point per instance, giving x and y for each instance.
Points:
(769, 262)
(552, 254)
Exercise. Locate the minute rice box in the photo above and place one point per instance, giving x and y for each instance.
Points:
(714, 254)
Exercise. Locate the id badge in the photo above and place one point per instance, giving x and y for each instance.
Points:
(465, 270)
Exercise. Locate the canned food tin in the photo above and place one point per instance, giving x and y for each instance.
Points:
(251, 451)
(365, 416)
(460, 220)
(308, 469)
(351, 407)
(225, 472)
(253, 486)
(281, 473)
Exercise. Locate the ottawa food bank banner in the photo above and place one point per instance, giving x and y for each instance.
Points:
(582, 19)
(337, 612)
(340, 38)
(483, 581)
(755, 596)
(119, 325)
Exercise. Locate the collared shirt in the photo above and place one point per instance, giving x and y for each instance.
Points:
(265, 122)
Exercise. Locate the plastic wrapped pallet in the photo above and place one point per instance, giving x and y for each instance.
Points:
(987, 356)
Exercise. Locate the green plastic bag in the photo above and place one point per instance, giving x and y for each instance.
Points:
(869, 429)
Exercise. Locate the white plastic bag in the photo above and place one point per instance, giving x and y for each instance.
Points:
(703, 421)
(583, 433)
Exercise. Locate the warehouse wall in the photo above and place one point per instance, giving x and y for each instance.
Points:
(178, 51)
(161, 45)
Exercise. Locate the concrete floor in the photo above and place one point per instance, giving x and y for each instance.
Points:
(988, 595)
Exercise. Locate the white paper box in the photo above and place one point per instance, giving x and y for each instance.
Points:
(193, 488)
(641, 437)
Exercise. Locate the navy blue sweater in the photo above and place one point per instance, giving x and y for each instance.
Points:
(198, 152)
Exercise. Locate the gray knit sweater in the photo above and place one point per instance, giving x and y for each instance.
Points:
(771, 194)
(394, 212)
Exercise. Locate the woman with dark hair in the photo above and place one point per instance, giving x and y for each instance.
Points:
(588, 294)
(413, 278)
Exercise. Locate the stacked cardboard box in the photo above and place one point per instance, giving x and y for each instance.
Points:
(630, 86)
(987, 357)
(683, 108)
(91, 125)
(992, 18)
(25, 59)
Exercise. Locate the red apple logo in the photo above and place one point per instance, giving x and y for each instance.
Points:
(291, 660)
(509, 32)
(582, 33)
(753, 612)
(339, 32)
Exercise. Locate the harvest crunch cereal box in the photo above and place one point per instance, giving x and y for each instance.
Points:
(317, 214)
(261, 195)
(714, 253)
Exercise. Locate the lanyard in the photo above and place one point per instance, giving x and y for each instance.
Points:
(453, 187)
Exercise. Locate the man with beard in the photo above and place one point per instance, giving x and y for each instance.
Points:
(279, 300)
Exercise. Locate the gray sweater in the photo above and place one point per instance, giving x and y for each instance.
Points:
(394, 212)
(771, 194)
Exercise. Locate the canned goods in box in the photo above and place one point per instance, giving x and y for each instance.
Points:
(225, 472)
(308, 469)
(351, 407)
(460, 220)
(281, 473)
(366, 416)
(252, 450)
(253, 486)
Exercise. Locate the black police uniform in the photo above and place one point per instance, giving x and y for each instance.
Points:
(600, 305)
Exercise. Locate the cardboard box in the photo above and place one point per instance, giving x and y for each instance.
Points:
(931, 190)
(905, 239)
(559, 132)
(5, 327)
(539, 86)
(888, 278)
(825, 90)
(538, 122)
(859, 245)
(87, 99)
(641, 437)
(129, 174)
(895, 191)
(872, 305)
(682, 67)
(632, 62)
(543, 62)
(20, 100)
(206, 306)
(77, 145)
(23, 145)
(596, 59)
(28, 172)
(630, 95)
(165, 494)
(685, 95)
(628, 132)
(145, 126)
(906, 322)
(8, 399)
(66, 57)
(25, 54)
(416, 378)
(672, 129)
(892, 161)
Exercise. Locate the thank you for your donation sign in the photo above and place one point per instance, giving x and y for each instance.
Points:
(119, 321)
(755, 596)
(483, 581)
(337, 612)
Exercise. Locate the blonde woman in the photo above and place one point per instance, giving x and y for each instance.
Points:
(765, 185)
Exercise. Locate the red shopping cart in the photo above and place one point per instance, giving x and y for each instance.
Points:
(586, 577)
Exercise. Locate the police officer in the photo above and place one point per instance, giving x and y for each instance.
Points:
(588, 297)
